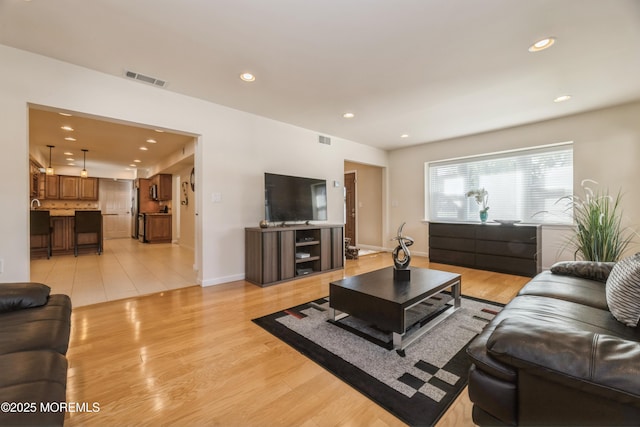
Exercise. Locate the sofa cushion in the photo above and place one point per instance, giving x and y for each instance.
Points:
(553, 311)
(591, 270)
(568, 288)
(16, 296)
(45, 327)
(576, 357)
(623, 290)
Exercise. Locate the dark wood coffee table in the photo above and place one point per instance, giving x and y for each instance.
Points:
(377, 298)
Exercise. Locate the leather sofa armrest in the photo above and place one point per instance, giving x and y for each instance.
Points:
(16, 296)
(604, 364)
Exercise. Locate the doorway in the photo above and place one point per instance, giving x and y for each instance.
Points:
(111, 143)
(364, 212)
(350, 206)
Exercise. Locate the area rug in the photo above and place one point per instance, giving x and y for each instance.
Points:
(417, 385)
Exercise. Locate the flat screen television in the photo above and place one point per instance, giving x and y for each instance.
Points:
(294, 198)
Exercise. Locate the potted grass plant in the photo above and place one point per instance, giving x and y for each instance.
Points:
(599, 233)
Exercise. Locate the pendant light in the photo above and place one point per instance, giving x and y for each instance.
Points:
(83, 172)
(49, 170)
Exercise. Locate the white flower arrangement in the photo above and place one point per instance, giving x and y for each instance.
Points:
(482, 198)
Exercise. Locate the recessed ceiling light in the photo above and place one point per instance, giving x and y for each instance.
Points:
(159, 130)
(562, 98)
(151, 141)
(69, 159)
(65, 114)
(144, 148)
(67, 128)
(137, 161)
(69, 138)
(68, 153)
(133, 165)
(247, 77)
(71, 164)
(404, 135)
(542, 44)
(348, 115)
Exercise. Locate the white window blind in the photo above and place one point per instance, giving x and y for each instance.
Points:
(523, 185)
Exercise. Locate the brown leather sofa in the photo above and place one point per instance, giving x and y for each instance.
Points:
(34, 338)
(555, 355)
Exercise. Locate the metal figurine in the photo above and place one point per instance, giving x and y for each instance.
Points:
(401, 261)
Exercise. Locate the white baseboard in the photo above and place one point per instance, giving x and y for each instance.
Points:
(373, 248)
(221, 280)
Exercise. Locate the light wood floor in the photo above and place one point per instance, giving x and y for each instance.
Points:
(192, 356)
(126, 268)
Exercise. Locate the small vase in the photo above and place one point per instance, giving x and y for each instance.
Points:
(483, 216)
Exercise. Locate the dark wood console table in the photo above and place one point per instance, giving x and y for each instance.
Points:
(511, 249)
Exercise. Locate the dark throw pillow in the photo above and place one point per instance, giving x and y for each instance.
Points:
(15, 296)
(623, 291)
(591, 270)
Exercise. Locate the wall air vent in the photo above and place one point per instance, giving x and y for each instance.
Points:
(146, 79)
(324, 140)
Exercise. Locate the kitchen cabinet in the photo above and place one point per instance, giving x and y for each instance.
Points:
(88, 189)
(34, 181)
(163, 181)
(61, 234)
(62, 238)
(69, 187)
(157, 228)
(51, 186)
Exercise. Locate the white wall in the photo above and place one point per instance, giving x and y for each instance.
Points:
(234, 150)
(186, 214)
(606, 149)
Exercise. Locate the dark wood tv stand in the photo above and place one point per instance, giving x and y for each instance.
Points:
(278, 254)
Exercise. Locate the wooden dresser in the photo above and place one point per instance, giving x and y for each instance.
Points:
(512, 249)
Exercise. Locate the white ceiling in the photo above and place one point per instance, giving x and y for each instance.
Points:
(112, 146)
(433, 69)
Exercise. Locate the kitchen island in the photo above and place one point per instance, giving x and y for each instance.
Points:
(62, 223)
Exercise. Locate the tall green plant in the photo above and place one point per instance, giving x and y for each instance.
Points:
(599, 234)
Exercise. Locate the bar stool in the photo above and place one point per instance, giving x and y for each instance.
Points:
(87, 222)
(40, 225)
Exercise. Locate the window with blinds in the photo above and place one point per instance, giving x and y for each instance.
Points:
(523, 185)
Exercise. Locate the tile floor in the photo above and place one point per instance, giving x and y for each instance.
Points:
(126, 268)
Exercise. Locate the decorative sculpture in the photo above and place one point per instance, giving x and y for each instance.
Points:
(402, 256)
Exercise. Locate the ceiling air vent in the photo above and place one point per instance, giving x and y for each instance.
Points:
(145, 79)
(324, 140)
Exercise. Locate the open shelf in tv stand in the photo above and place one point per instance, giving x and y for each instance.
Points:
(277, 254)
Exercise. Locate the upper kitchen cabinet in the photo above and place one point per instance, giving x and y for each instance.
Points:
(162, 184)
(35, 178)
(88, 188)
(51, 187)
(69, 187)
(66, 187)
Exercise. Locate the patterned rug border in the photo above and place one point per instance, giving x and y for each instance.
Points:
(417, 410)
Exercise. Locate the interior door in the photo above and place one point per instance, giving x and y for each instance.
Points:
(350, 207)
(115, 203)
